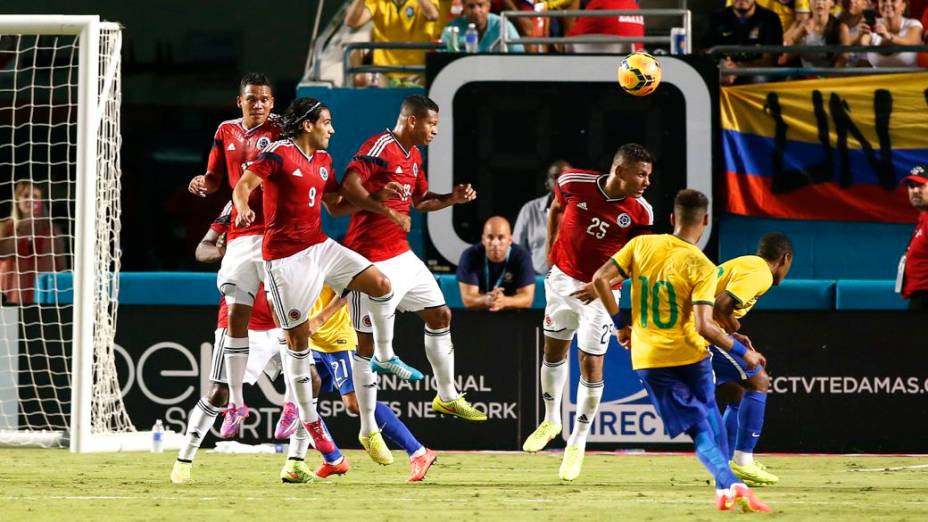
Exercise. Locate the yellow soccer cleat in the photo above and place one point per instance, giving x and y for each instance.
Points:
(377, 448)
(543, 434)
(459, 408)
(180, 473)
(753, 474)
(295, 472)
(572, 463)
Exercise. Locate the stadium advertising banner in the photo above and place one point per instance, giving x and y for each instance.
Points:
(788, 146)
(164, 354)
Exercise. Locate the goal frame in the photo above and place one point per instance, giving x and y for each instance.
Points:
(87, 28)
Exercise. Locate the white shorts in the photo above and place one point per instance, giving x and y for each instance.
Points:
(414, 289)
(242, 270)
(565, 315)
(263, 355)
(294, 283)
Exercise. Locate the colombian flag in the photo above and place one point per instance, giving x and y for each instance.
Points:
(832, 149)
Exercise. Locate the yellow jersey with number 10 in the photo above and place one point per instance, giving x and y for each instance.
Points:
(745, 279)
(669, 276)
(337, 334)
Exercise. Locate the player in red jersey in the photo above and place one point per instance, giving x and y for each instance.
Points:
(298, 179)
(598, 214)
(262, 333)
(378, 231)
(237, 143)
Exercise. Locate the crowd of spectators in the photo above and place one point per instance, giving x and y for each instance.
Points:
(880, 24)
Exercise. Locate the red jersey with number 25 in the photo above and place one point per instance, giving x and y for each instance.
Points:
(234, 147)
(379, 161)
(293, 187)
(594, 226)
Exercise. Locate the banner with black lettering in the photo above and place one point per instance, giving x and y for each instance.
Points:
(829, 149)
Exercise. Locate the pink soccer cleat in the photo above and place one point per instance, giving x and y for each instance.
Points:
(288, 422)
(232, 420)
(420, 465)
(747, 500)
(322, 441)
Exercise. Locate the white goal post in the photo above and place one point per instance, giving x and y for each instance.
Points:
(60, 84)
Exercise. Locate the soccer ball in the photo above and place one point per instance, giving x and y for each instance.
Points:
(639, 74)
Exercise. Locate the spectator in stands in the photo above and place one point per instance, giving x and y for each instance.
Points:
(399, 21)
(626, 25)
(923, 57)
(789, 11)
(495, 274)
(852, 26)
(531, 230)
(914, 266)
(489, 27)
(892, 28)
(30, 243)
(821, 28)
(745, 23)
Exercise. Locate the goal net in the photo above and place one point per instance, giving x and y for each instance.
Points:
(59, 233)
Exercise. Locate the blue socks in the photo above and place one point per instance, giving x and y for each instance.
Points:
(394, 429)
(750, 420)
(717, 425)
(711, 456)
(334, 456)
(730, 419)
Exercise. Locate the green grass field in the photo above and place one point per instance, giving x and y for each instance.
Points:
(57, 485)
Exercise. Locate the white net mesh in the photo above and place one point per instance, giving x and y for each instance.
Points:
(38, 171)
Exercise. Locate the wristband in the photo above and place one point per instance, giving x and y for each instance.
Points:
(737, 348)
(617, 320)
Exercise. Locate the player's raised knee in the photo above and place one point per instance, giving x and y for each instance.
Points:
(218, 395)
(379, 285)
(439, 318)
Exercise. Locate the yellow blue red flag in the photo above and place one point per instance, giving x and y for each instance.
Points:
(830, 149)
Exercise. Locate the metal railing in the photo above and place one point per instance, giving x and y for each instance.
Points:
(357, 69)
(582, 13)
(722, 50)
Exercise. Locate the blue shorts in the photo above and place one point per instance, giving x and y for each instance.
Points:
(729, 367)
(681, 394)
(335, 371)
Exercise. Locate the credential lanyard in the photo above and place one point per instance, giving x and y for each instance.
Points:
(486, 270)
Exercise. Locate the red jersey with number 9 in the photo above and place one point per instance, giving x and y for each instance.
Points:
(594, 226)
(379, 161)
(293, 187)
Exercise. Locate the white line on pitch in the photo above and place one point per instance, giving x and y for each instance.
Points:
(897, 468)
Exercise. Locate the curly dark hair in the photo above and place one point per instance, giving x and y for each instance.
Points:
(633, 152)
(689, 206)
(300, 109)
(774, 245)
(253, 78)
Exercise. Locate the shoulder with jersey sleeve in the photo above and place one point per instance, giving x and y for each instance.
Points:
(750, 278)
(646, 212)
(573, 177)
(270, 158)
(369, 156)
(470, 263)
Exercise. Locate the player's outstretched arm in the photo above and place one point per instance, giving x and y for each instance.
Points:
(211, 248)
(555, 213)
(318, 321)
(430, 201)
(205, 184)
(353, 190)
(702, 313)
(602, 282)
(246, 184)
(724, 312)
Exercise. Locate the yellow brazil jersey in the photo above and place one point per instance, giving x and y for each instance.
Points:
(337, 334)
(668, 276)
(785, 9)
(401, 21)
(745, 279)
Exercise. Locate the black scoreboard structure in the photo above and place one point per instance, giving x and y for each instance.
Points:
(506, 117)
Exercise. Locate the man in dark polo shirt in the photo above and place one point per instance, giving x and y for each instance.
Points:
(496, 274)
(745, 23)
(913, 269)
